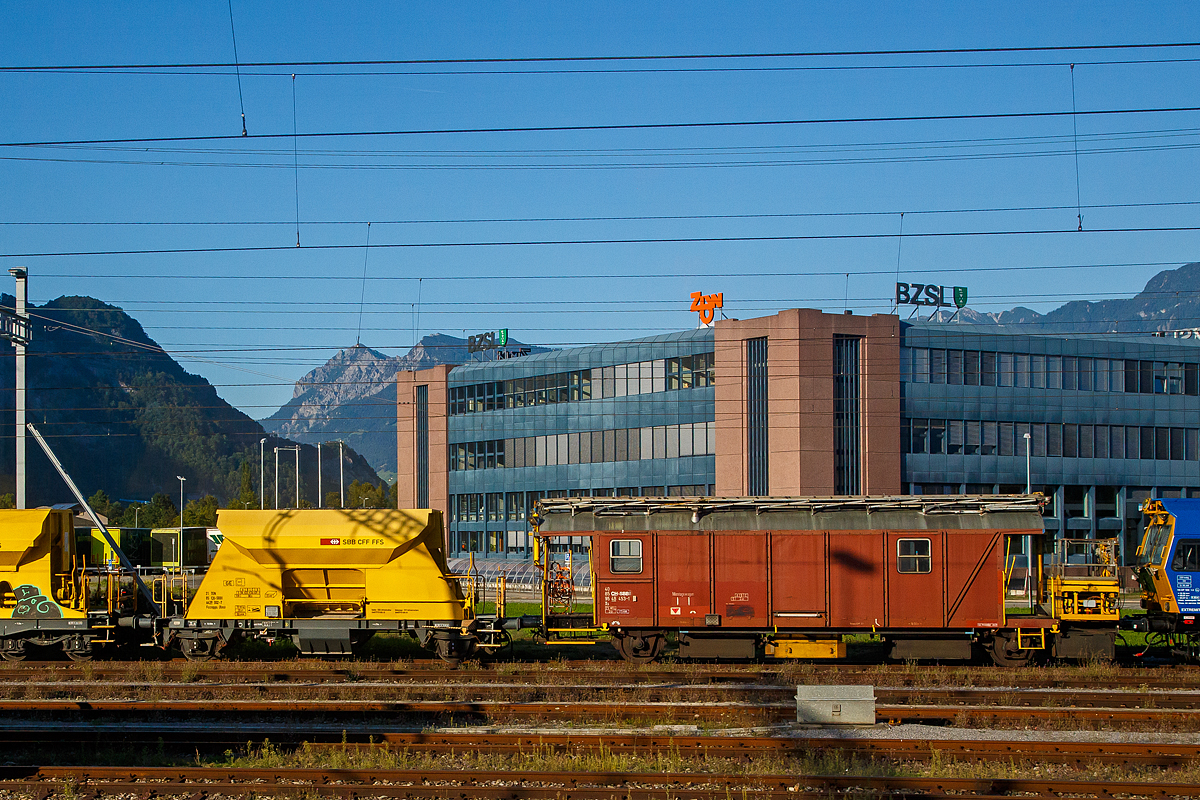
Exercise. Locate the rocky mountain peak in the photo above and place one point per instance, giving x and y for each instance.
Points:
(352, 373)
(353, 396)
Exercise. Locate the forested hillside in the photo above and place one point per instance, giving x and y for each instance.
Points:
(125, 418)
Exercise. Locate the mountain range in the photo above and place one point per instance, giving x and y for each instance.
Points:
(1169, 301)
(125, 417)
(352, 397)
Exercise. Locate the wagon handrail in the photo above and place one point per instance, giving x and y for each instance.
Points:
(701, 506)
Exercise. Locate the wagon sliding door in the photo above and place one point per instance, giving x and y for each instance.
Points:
(916, 574)
(683, 579)
(798, 580)
(857, 596)
(974, 578)
(739, 572)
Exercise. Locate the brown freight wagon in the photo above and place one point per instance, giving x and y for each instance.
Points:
(788, 577)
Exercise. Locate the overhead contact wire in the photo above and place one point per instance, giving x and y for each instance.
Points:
(237, 68)
(1075, 132)
(627, 126)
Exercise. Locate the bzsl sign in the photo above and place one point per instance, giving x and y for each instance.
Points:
(491, 340)
(924, 294)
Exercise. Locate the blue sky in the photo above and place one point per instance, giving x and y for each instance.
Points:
(253, 322)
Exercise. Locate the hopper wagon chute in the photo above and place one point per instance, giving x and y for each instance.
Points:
(328, 580)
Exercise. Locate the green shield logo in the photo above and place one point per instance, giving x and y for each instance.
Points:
(960, 296)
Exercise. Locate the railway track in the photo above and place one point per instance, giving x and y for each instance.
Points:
(421, 783)
(1183, 678)
(384, 692)
(478, 711)
(220, 738)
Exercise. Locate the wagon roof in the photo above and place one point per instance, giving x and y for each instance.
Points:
(905, 512)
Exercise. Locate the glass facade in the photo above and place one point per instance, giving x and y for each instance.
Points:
(847, 431)
(1111, 420)
(1107, 421)
(758, 419)
(630, 419)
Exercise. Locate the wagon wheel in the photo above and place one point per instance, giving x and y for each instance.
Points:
(17, 653)
(454, 650)
(1005, 653)
(201, 648)
(79, 655)
(640, 648)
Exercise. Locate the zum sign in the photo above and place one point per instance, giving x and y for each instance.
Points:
(707, 304)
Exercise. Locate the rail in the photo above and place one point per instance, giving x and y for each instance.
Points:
(414, 783)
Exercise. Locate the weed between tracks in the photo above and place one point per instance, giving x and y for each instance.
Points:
(692, 761)
(546, 759)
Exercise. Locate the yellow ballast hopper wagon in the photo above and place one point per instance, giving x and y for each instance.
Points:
(328, 579)
(44, 590)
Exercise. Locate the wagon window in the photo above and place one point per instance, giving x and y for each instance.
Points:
(625, 555)
(913, 555)
(1187, 556)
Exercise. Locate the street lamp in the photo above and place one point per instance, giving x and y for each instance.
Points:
(181, 480)
(1028, 479)
(297, 449)
(262, 476)
(341, 475)
(15, 328)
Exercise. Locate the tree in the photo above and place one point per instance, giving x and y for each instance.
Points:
(366, 495)
(104, 507)
(134, 516)
(333, 499)
(247, 497)
(160, 512)
(99, 502)
(8, 500)
(201, 513)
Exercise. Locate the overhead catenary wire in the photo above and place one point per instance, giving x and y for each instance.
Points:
(956, 270)
(621, 126)
(362, 299)
(600, 218)
(237, 68)
(602, 241)
(618, 57)
(1075, 132)
(354, 71)
(295, 159)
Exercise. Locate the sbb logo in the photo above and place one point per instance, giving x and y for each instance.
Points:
(331, 541)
